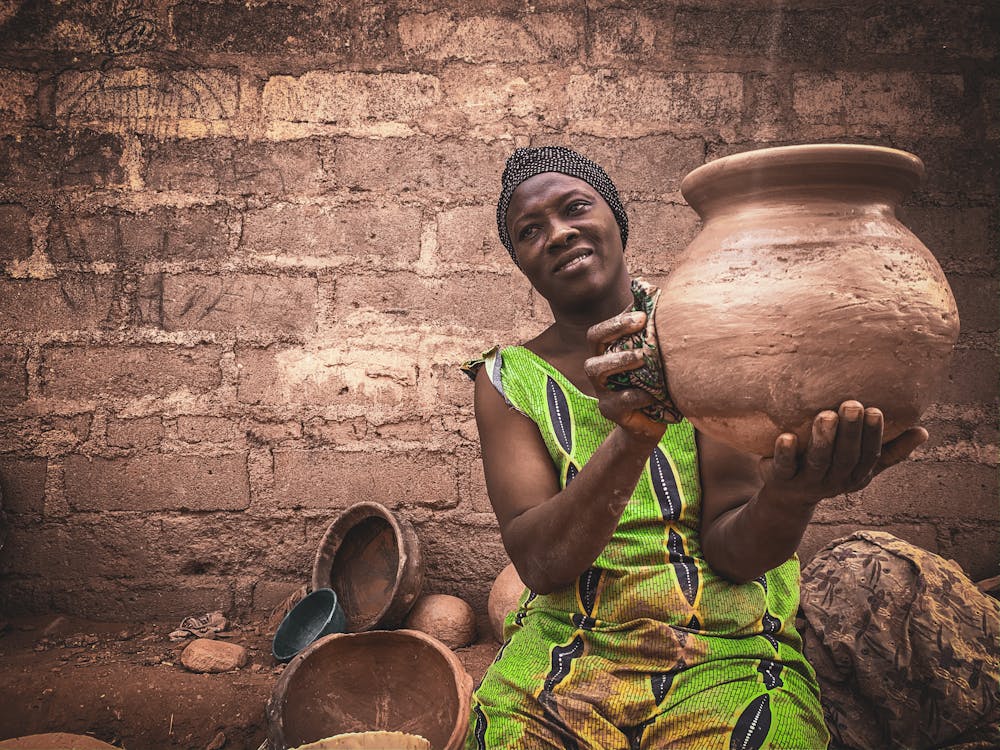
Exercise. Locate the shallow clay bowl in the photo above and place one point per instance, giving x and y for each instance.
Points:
(56, 741)
(372, 560)
(381, 680)
(370, 741)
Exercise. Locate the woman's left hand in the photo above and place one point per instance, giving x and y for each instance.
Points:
(624, 407)
(845, 452)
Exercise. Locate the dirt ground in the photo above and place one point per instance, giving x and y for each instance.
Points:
(124, 683)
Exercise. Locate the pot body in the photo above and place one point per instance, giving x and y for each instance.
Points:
(803, 290)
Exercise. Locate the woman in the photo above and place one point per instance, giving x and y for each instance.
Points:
(660, 568)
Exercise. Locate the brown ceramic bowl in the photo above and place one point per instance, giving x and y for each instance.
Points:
(381, 680)
(372, 560)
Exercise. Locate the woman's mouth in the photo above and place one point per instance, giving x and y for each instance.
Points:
(572, 261)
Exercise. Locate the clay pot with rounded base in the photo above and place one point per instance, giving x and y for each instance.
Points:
(504, 596)
(803, 290)
(372, 560)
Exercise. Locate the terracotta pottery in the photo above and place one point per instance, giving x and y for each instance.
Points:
(372, 560)
(447, 618)
(380, 680)
(803, 290)
(370, 741)
(55, 741)
(504, 596)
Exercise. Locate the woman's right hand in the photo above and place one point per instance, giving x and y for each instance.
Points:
(624, 407)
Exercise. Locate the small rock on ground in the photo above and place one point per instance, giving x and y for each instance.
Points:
(208, 655)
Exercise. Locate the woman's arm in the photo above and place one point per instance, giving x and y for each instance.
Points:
(754, 511)
(553, 535)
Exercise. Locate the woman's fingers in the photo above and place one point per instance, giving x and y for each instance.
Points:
(871, 444)
(847, 446)
(603, 333)
(784, 464)
(819, 452)
(599, 368)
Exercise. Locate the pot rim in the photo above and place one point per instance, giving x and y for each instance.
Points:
(408, 582)
(274, 709)
(891, 172)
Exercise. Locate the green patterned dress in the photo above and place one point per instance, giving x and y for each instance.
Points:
(650, 648)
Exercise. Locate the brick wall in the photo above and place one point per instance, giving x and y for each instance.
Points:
(243, 246)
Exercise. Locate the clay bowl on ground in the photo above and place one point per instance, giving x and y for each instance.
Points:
(381, 680)
(370, 741)
(53, 740)
(372, 560)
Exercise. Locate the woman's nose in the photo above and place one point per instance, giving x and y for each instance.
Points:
(562, 233)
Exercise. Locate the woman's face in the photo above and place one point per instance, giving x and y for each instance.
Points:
(566, 239)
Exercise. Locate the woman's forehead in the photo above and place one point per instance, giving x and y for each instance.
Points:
(546, 186)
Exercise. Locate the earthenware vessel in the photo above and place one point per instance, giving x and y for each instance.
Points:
(379, 680)
(372, 560)
(448, 618)
(803, 290)
(504, 596)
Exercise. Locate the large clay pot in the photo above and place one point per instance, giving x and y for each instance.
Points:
(379, 680)
(372, 560)
(803, 290)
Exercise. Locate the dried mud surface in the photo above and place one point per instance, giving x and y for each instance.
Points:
(123, 683)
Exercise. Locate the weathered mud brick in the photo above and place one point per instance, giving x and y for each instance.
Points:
(71, 302)
(528, 38)
(975, 549)
(977, 298)
(972, 378)
(160, 103)
(902, 103)
(22, 481)
(193, 233)
(332, 479)
(491, 102)
(385, 104)
(612, 104)
(965, 30)
(618, 35)
(36, 159)
(15, 234)
(239, 302)
(170, 598)
(273, 168)
(483, 300)
(658, 234)
(467, 236)
(959, 238)
(17, 98)
(345, 376)
(140, 432)
(84, 236)
(352, 29)
(192, 167)
(775, 33)
(157, 482)
(193, 429)
(934, 489)
(415, 165)
(959, 172)
(87, 372)
(654, 164)
(365, 233)
(13, 375)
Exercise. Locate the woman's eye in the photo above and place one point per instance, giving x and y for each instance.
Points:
(577, 206)
(527, 232)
